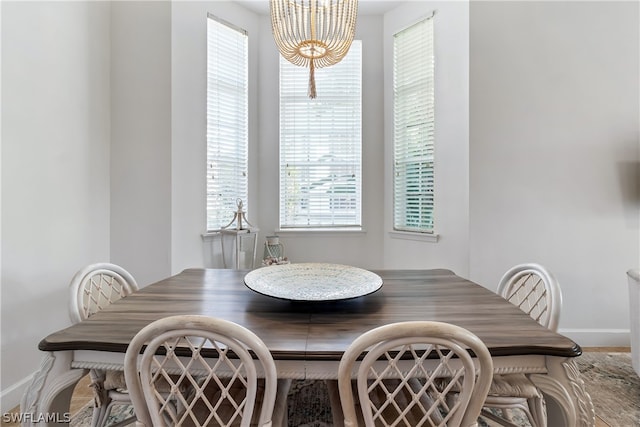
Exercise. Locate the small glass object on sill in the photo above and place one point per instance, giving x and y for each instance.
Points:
(240, 242)
(273, 252)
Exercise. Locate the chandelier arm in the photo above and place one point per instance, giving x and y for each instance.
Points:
(282, 34)
(290, 33)
(303, 29)
(349, 28)
(330, 21)
(341, 42)
(276, 16)
(288, 36)
(322, 22)
(313, 17)
(340, 13)
(352, 10)
(302, 32)
(335, 16)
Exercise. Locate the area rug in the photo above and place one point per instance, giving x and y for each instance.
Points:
(614, 387)
(609, 379)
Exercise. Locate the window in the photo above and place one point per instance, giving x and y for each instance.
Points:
(321, 145)
(227, 121)
(413, 128)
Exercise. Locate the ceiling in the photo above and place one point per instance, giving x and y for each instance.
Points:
(365, 7)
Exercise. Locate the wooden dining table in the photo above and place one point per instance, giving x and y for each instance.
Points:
(307, 339)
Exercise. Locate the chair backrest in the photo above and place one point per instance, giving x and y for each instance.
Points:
(533, 289)
(199, 370)
(95, 287)
(414, 374)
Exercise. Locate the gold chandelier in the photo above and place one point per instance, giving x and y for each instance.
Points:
(313, 33)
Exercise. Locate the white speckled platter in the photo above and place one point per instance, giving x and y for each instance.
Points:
(313, 281)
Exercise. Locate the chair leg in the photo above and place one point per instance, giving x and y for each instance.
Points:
(280, 416)
(538, 416)
(101, 398)
(101, 414)
(334, 401)
(97, 416)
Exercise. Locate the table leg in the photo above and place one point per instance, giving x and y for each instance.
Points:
(570, 403)
(280, 416)
(46, 400)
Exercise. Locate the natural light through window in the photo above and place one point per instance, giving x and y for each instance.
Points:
(413, 128)
(321, 145)
(227, 121)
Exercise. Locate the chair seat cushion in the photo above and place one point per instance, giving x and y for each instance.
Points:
(513, 385)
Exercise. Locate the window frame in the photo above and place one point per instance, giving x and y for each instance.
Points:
(226, 122)
(413, 212)
(295, 92)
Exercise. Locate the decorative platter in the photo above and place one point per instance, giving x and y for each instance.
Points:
(313, 281)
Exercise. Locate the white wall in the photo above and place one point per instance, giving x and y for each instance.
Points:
(141, 138)
(555, 153)
(55, 169)
(452, 140)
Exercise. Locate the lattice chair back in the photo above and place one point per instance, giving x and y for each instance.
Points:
(96, 286)
(199, 371)
(92, 289)
(415, 374)
(533, 289)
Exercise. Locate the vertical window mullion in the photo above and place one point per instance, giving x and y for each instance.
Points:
(227, 121)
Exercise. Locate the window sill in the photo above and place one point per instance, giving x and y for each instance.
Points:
(421, 237)
(318, 231)
(210, 235)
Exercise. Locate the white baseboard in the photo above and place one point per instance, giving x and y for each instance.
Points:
(598, 337)
(11, 396)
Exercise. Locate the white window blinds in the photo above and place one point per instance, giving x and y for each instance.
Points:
(413, 127)
(321, 144)
(227, 121)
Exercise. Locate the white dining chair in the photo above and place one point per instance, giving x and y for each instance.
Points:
(199, 370)
(418, 373)
(93, 288)
(535, 290)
